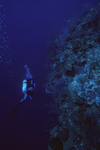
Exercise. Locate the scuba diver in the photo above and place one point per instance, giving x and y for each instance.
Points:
(28, 87)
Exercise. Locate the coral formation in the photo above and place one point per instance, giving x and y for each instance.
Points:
(74, 82)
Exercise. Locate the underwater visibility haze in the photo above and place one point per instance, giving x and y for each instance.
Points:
(57, 43)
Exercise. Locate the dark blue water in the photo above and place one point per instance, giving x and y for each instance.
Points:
(30, 25)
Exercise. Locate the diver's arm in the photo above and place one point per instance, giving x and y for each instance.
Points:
(28, 74)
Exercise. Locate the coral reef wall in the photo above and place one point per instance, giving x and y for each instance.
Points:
(74, 84)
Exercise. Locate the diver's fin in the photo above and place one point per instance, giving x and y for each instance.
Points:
(14, 112)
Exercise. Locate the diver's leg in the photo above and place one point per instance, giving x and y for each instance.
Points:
(30, 97)
(25, 97)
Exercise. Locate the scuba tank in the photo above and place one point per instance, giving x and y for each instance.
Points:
(24, 86)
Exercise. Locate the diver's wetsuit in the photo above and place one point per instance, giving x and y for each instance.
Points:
(29, 91)
(30, 87)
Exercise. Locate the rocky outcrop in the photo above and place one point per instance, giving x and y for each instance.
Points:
(74, 82)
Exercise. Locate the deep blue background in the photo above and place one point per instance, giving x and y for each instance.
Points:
(30, 24)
